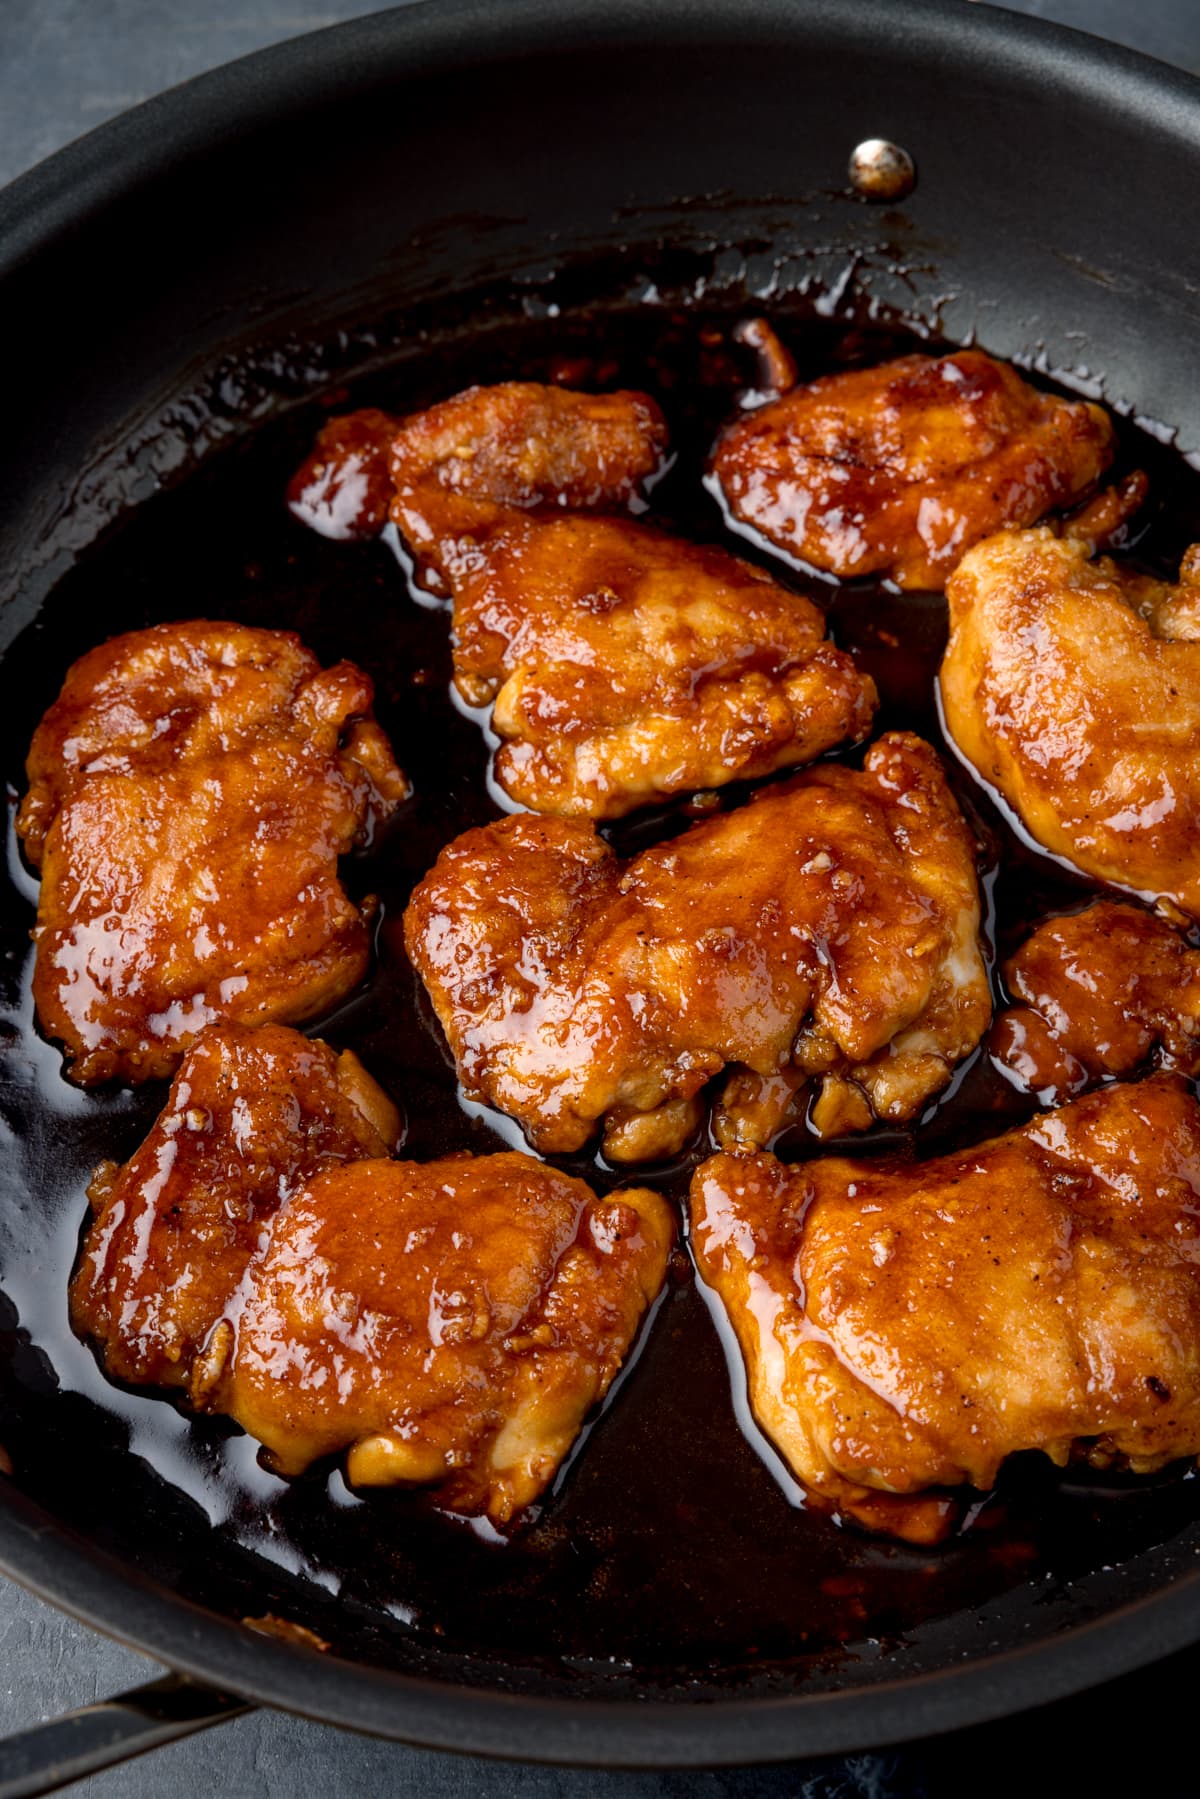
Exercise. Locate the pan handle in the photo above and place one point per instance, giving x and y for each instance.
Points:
(51, 1755)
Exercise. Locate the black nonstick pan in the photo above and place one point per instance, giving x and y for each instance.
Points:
(187, 282)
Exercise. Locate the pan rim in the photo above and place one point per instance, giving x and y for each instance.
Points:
(93, 1587)
(39, 1552)
(147, 138)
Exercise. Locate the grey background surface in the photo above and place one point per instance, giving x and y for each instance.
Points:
(65, 66)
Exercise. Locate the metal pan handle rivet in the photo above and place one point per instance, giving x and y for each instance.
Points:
(881, 170)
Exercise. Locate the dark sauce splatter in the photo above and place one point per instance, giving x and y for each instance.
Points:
(667, 1549)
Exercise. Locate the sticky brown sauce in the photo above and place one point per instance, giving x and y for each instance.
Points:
(669, 1547)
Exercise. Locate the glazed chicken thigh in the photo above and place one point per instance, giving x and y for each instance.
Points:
(461, 468)
(1073, 688)
(628, 666)
(1101, 992)
(190, 793)
(623, 665)
(827, 932)
(897, 470)
(343, 489)
(909, 1326)
(252, 1114)
(450, 1323)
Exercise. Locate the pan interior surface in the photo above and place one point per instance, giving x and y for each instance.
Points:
(329, 217)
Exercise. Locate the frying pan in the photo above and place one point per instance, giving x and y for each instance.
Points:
(213, 257)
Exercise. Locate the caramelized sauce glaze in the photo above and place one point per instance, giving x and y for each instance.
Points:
(672, 1546)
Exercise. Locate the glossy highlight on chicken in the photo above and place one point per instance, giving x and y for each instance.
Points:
(190, 794)
(448, 1324)
(897, 470)
(1099, 993)
(908, 1326)
(622, 665)
(824, 935)
(252, 1114)
(343, 489)
(1072, 687)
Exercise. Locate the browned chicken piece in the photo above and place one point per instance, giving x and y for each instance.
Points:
(447, 1323)
(906, 1327)
(898, 470)
(463, 466)
(625, 666)
(1099, 524)
(828, 930)
(628, 667)
(344, 489)
(252, 1115)
(190, 793)
(1102, 991)
(1073, 687)
(776, 364)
